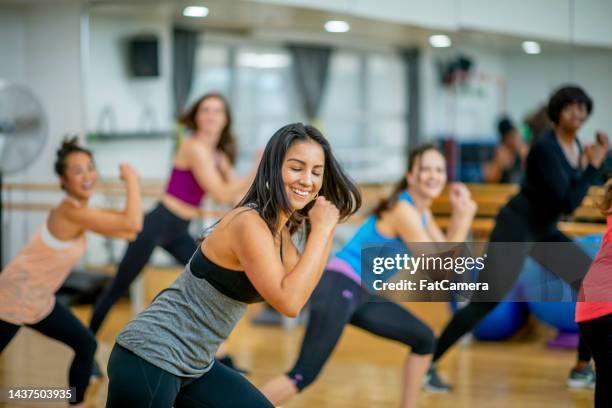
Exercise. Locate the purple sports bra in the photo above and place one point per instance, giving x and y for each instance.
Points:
(185, 187)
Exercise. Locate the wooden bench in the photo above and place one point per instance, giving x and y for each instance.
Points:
(490, 198)
(587, 219)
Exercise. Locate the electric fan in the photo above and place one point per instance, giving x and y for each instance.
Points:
(23, 133)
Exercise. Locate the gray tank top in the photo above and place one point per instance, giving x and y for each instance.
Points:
(183, 327)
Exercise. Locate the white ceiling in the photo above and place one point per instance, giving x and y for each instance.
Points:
(253, 18)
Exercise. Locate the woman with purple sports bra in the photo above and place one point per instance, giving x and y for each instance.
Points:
(339, 299)
(29, 282)
(202, 165)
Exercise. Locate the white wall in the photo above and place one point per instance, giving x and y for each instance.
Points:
(544, 19)
(109, 86)
(467, 111)
(43, 49)
(433, 13)
(12, 38)
(53, 73)
(541, 18)
(109, 83)
(592, 22)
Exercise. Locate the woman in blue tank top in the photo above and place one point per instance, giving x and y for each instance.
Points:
(339, 299)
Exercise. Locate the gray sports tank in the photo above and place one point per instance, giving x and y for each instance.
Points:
(184, 326)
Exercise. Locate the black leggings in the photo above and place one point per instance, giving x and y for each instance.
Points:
(62, 325)
(135, 383)
(597, 333)
(337, 301)
(504, 264)
(161, 228)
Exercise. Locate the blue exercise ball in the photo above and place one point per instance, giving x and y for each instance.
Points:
(538, 283)
(556, 314)
(503, 322)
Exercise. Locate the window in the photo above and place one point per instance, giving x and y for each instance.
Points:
(363, 111)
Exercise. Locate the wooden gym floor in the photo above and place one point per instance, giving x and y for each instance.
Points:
(364, 371)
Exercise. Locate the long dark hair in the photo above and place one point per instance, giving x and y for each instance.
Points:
(267, 193)
(388, 202)
(227, 141)
(69, 146)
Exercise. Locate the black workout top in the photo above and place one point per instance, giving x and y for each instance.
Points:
(513, 174)
(232, 283)
(551, 186)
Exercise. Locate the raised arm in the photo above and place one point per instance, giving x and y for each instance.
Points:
(409, 225)
(463, 211)
(225, 167)
(202, 163)
(286, 291)
(118, 224)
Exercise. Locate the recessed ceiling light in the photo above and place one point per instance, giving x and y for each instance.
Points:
(440, 41)
(195, 11)
(531, 47)
(337, 26)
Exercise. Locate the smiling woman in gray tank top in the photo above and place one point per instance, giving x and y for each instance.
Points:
(165, 356)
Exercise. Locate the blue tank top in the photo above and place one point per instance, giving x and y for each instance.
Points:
(367, 234)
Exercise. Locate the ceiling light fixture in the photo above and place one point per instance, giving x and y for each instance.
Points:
(195, 11)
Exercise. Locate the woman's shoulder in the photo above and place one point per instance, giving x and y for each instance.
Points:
(244, 216)
(66, 205)
(64, 214)
(404, 210)
(191, 146)
(544, 143)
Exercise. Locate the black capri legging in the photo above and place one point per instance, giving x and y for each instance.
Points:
(160, 228)
(597, 333)
(63, 326)
(339, 300)
(136, 383)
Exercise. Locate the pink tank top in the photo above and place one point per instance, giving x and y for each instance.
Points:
(185, 187)
(29, 282)
(595, 297)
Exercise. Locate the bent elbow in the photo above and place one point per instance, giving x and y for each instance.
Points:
(286, 307)
(291, 309)
(290, 312)
(138, 226)
(134, 227)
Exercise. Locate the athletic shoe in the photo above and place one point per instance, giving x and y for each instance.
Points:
(584, 378)
(433, 383)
